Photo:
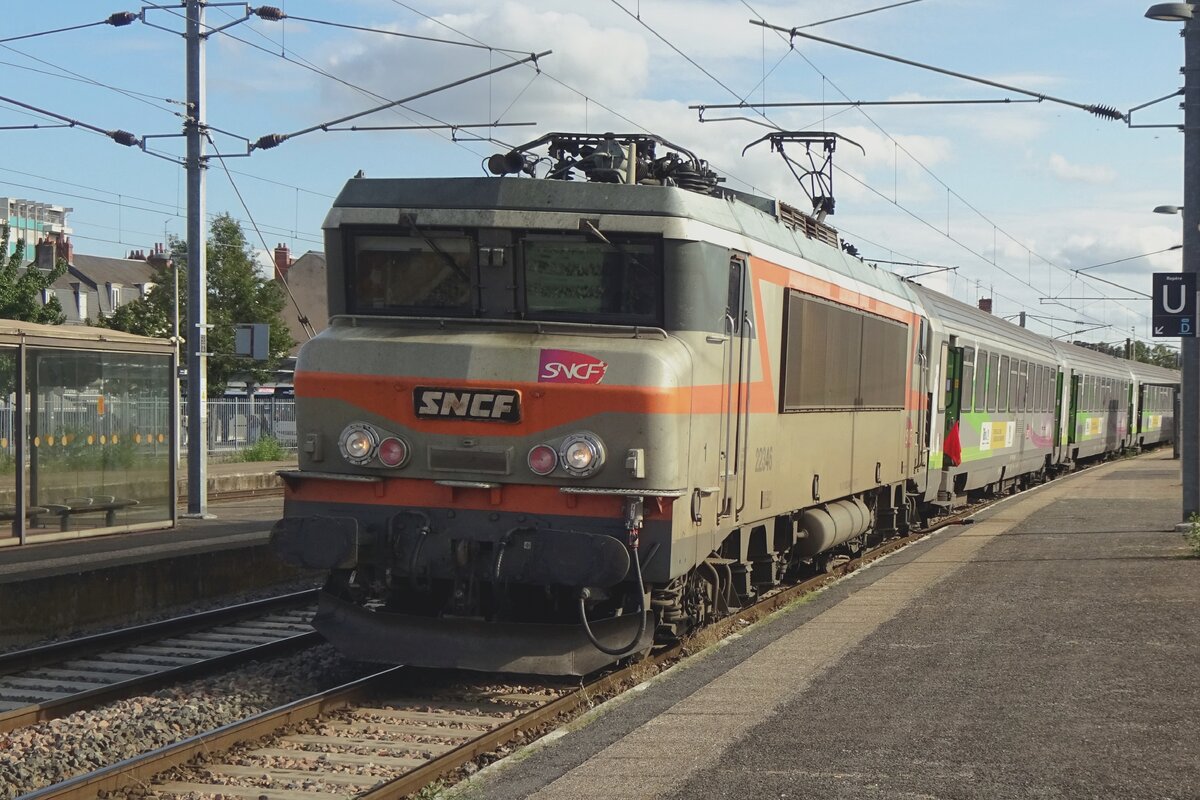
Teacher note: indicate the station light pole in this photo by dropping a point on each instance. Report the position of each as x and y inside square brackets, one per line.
[197, 350]
[1188, 429]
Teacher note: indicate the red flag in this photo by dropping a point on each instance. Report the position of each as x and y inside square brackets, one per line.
[952, 447]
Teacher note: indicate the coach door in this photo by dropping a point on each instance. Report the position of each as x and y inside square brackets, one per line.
[735, 417]
[950, 402]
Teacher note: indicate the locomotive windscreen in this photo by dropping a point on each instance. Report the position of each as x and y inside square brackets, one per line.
[397, 273]
[615, 279]
[575, 277]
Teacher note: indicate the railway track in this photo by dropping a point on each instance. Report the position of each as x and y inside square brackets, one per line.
[54, 680]
[371, 741]
[241, 494]
[368, 740]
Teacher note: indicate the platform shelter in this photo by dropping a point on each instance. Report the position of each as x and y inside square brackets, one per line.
[86, 432]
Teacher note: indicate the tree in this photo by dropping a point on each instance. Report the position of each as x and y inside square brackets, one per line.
[21, 289]
[236, 294]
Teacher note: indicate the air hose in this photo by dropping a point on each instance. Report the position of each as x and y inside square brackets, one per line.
[585, 593]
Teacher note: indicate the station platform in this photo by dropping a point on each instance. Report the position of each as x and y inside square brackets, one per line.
[1050, 649]
[72, 583]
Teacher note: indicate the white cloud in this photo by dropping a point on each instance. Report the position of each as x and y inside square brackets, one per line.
[1081, 173]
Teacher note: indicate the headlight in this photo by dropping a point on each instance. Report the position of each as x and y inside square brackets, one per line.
[582, 454]
[358, 442]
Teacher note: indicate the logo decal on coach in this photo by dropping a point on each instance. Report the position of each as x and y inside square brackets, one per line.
[486, 405]
[566, 366]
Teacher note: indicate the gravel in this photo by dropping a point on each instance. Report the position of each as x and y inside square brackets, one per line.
[51, 752]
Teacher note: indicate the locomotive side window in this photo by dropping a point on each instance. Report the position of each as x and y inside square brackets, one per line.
[618, 280]
[837, 357]
[397, 274]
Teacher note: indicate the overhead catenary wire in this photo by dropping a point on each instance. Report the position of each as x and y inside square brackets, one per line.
[403, 35]
[275, 139]
[305, 324]
[118, 20]
[1104, 111]
[951, 192]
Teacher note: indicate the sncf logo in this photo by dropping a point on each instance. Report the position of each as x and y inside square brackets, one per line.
[492, 405]
[565, 366]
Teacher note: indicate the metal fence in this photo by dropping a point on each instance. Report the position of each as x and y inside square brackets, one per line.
[238, 422]
[233, 422]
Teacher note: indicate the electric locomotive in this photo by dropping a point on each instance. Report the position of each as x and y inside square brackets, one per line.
[555, 419]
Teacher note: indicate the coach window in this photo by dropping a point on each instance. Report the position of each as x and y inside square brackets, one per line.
[1023, 386]
[430, 274]
[1002, 390]
[1014, 399]
[968, 378]
[981, 382]
[993, 380]
[616, 280]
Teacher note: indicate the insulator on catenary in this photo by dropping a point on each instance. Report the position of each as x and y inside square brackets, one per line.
[269, 13]
[269, 141]
[124, 137]
[1108, 112]
[122, 18]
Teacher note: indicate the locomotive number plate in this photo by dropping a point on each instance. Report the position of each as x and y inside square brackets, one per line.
[481, 405]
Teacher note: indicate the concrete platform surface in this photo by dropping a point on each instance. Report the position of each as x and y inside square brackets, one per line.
[1049, 650]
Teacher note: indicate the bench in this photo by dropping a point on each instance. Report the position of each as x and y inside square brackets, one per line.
[9, 513]
[88, 505]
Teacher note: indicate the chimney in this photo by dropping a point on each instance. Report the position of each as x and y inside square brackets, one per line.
[283, 260]
[66, 250]
[985, 304]
[44, 252]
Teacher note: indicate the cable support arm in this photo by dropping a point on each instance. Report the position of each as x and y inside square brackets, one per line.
[276, 139]
[119, 136]
[1107, 112]
[118, 20]
[857, 103]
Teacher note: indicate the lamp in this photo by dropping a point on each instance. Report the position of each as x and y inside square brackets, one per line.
[1170, 12]
[1188, 428]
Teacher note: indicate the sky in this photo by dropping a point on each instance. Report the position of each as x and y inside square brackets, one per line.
[1014, 196]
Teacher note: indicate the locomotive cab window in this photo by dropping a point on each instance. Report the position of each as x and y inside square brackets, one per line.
[576, 278]
[412, 275]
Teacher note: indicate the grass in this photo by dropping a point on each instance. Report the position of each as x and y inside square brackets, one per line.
[267, 448]
[1192, 535]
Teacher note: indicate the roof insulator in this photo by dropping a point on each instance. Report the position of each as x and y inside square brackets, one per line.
[269, 13]
[122, 18]
[269, 141]
[123, 137]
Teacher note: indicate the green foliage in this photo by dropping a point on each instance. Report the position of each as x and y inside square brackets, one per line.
[236, 294]
[1192, 535]
[21, 289]
[267, 448]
